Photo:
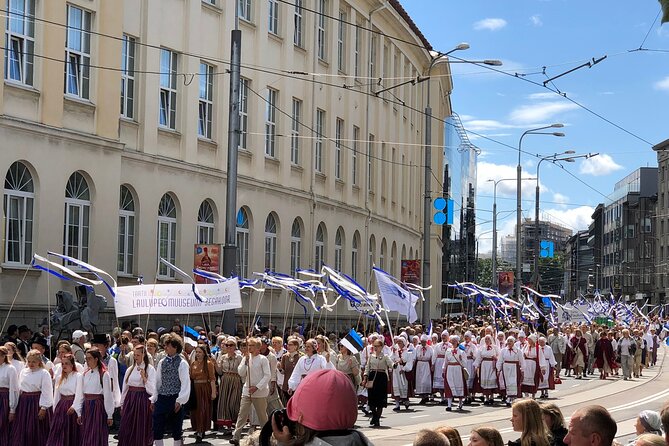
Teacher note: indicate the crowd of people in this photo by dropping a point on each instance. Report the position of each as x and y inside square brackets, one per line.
[140, 385]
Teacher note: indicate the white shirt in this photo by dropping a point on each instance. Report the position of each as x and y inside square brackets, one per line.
[306, 365]
[58, 370]
[90, 384]
[38, 380]
[18, 365]
[184, 377]
[68, 387]
[260, 375]
[133, 377]
[279, 373]
[10, 380]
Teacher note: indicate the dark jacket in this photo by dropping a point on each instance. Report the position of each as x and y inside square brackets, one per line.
[558, 435]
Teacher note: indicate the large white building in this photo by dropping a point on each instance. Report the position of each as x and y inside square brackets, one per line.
[113, 128]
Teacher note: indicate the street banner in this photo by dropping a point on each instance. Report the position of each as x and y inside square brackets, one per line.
[177, 298]
[207, 258]
[410, 272]
[505, 279]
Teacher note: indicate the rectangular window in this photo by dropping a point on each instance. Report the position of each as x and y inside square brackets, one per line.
[243, 112]
[168, 89]
[78, 52]
[354, 158]
[273, 25]
[205, 233]
[338, 252]
[320, 129]
[370, 178]
[20, 41]
[354, 263]
[242, 252]
[126, 241]
[77, 225]
[339, 132]
[295, 249]
[167, 246]
[372, 57]
[298, 24]
[128, 77]
[356, 56]
[18, 207]
[270, 122]
[321, 21]
[206, 101]
[295, 132]
[341, 42]
[244, 9]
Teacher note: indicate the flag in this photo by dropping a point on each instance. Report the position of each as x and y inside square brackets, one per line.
[665, 10]
[353, 342]
[184, 276]
[190, 336]
[394, 297]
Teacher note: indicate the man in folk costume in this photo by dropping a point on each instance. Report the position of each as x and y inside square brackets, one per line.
[557, 342]
[424, 355]
[485, 367]
[510, 365]
[402, 363]
[470, 356]
[548, 381]
[101, 342]
[455, 374]
[438, 365]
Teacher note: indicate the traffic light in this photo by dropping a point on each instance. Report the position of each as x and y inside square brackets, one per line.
[444, 214]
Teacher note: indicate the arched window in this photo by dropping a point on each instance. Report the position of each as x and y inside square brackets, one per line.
[319, 259]
[393, 259]
[243, 243]
[18, 202]
[295, 246]
[167, 235]
[382, 257]
[205, 224]
[270, 243]
[126, 231]
[77, 217]
[354, 255]
[338, 249]
[372, 250]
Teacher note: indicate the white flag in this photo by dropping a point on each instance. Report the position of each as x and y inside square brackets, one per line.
[394, 297]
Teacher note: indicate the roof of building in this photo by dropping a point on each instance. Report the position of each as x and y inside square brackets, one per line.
[405, 15]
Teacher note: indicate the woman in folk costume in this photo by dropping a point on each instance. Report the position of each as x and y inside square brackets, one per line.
[485, 367]
[548, 381]
[307, 364]
[604, 355]
[94, 402]
[203, 375]
[33, 412]
[510, 365]
[501, 341]
[533, 357]
[579, 353]
[470, 356]
[455, 375]
[65, 430]
[376, 372]
[230, 389]
[438, 365]
[139, 383]
[423, 354]
[9, 394]
[402, 363]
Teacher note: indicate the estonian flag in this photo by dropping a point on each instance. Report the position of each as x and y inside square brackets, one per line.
[353, 342]
[190, 336]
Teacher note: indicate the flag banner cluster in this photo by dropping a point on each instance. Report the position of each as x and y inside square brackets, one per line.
[353, 342]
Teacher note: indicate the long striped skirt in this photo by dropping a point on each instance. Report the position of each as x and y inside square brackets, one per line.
[200, 417]
[229, 399]
[136, 422]
[27, 429]
[4, 415]
[94, 429]
[64, 428]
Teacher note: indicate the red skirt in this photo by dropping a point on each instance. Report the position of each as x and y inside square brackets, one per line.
[27, 429]
[136, 422]
[94, 429]
[64, 428]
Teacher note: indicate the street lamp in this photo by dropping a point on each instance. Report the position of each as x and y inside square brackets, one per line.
[494, 227]
[519, 169]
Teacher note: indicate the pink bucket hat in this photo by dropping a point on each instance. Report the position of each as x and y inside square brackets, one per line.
[307, 404]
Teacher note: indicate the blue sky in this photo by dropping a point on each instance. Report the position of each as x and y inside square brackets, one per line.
[630, 89]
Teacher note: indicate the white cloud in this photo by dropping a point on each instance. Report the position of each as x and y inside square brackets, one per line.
[607, 93]
[536, 20]
[599, 165]
[562, 200]
[663, 84]
[541, 96]
[490, 171]
[490, 24]
[576, 219]
[483, 125]
[540, 112]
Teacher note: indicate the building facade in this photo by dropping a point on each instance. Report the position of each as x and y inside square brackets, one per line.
[662, 222]
[115, 152]
[580, 270]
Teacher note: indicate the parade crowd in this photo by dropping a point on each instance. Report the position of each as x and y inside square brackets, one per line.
[293, 388]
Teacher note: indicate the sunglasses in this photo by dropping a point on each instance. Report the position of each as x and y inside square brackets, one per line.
[230, 345]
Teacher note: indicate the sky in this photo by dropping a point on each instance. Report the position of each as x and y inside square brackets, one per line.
[629, 89]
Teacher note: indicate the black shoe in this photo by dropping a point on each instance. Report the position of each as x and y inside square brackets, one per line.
[448, 409]
[508, 404]
[396, 409]
[423, 401]
[198, 438]
[233, 441]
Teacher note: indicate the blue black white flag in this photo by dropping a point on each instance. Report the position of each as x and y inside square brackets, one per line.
[353, 342]
[190, 336]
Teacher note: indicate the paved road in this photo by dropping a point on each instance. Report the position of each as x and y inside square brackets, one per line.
[624, 399]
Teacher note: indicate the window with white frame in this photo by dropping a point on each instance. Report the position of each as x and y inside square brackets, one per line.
[370, 172]
[78, 52]
[321, 23]
[382, 256]
[244, 10]
[298, 26]
[372, 249]
[242, 231]
[339, 134]
[270, 122]
[354, 156]
[354, 256]
[243, 112]
[18, 200]
[167, 236]
[372, 56]
[168, 89]
[295, 132]
[20, 41]
[339, 249]
[77, 217]
[128, 76]
[341, 42]
[320, 129]
[295, 246]
[206, 100]
[273, 25]
[270, 243]
[356, 55]
[205, 223]
[126, 232]
[319, 259]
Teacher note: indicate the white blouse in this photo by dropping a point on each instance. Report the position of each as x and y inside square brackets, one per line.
[38, 380]
[18, 365]
[133, 377]
[58, 370]
[68, 387]
[91, 385]
[10, 380]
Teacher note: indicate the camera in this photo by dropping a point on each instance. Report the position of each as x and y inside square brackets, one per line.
[280, 417]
